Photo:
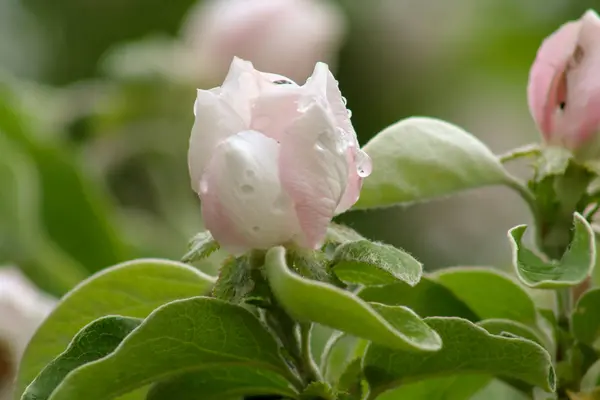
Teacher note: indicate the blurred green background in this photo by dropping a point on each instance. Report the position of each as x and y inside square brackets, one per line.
[95, 117]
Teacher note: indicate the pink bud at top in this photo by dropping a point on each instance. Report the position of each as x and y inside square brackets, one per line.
[564, 84]
[272, 161]
[283, 36]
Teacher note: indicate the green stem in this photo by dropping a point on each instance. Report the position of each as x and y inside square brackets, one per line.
[529, 198]
[309, 367]
[565, 301]
[529, 150]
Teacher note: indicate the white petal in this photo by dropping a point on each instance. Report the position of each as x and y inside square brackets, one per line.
[215, 121]
[242, 184]
[22, 309]
[323, 82]
[314, 171]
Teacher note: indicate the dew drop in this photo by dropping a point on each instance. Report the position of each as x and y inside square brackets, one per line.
[364, 165]
[203, 186]
[247, 189]
[344, 100]
[349, 113]
[319, 147]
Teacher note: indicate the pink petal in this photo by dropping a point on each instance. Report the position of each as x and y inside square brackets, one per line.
[313, 171]
[547, 72]
[322, 81]
[215, 121]
[243, 203]
[275, 110]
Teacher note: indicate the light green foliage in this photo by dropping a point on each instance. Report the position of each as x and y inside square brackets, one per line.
[508, 327]
[585, 320]
[489, 293]
[132, 289]
[201, 246]
[308, 300]
[340, 234]
[428, 298]
[235, 281]
[96, 340]
[232, 381]
[22, 238]
[179, 337]
[419, 158]
[456, 387]
[575, 265]
[467, 349]
[369, 263]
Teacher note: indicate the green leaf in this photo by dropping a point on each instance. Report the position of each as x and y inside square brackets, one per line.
[201, 246]
[456, 387]
[507, 326]
[499, 390]
[340, 352]
[369, 263]
[132, 289]
[428, 298]
[591, 379]
[574, 266]
[318, 390]
[328, 305]
[422, 158]
[235, 280]
[94, 341]
[339, 234]
[585, 320]
[311, 264]
[467, 349]
[22, 238]
[221, 383]
[183, 336]
[489, 293]
[70, 196]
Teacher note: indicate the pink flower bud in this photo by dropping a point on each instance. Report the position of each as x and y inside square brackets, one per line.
[284, 36]
[564, 84]
[272, 161]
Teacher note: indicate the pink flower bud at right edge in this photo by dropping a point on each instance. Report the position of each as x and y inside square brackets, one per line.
[564, 87]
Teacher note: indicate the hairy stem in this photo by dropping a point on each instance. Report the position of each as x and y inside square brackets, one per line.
[309, 367]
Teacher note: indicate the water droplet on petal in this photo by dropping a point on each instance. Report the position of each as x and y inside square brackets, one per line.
[364, 165]
[344, 100]
[319, 147]
[349, 113]
[203, 186]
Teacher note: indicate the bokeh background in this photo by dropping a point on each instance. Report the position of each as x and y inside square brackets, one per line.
[96, 109]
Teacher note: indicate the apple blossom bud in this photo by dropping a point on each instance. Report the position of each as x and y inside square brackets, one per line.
[272, 161]
[564, 85]
[22, 308]
[284, 36]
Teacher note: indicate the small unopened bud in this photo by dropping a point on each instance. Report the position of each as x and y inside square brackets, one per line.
[564, 86]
